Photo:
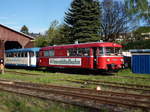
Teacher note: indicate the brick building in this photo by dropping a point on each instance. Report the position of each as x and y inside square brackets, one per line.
[10, 39]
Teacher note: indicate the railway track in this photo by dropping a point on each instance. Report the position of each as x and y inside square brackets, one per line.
[130, 77]
[122, 84]
[83, 97]
[134, 87]
[131, 87]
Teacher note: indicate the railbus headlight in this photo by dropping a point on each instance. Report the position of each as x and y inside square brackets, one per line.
[108, 59]
[121, 60]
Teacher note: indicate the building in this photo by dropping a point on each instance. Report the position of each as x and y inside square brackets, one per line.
[35, 35]
[140, 61]
[11, 39]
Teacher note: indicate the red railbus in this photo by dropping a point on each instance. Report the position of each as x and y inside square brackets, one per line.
[96, 55]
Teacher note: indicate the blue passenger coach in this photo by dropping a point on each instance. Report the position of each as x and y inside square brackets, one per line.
[26, 57]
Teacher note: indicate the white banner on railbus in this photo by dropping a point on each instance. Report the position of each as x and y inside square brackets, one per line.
[65, 61]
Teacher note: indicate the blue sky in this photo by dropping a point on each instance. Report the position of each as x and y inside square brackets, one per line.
[35, 14]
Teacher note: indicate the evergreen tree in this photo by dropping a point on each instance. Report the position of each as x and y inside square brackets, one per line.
[24, 29]
[83, 20]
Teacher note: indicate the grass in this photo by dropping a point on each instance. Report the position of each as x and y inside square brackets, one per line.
[59, 78]
[16, 103]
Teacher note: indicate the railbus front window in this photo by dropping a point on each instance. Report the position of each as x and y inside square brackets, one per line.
[112, 50]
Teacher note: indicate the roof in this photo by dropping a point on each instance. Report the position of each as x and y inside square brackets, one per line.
[17, 32]
[84, 45]
[23, 50]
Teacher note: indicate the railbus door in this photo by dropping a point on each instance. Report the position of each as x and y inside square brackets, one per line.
[94, 57]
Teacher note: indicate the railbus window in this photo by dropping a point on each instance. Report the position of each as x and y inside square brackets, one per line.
[78, 52]
[41, 53]
[83, 51]
[37, 54]
[118, 50]
[49, 53]
[101, 50]
[71, 52]
[46, 53]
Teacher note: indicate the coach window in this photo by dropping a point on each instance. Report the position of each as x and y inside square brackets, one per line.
[21, 54]
[25, 54]
[14, 54]
[9, 54]
[18, 54]
[6, 54]
[31, 54]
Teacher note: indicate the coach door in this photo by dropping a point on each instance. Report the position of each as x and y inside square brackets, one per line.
[94, 56]
[32, 59]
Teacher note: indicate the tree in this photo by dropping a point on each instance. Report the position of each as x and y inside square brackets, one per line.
[62, 36]
[41, 41]
[114, 20]
[52, 32]
[55, 35]
[24, 29]
[83, 20]
[141, 32]
[140, 9]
